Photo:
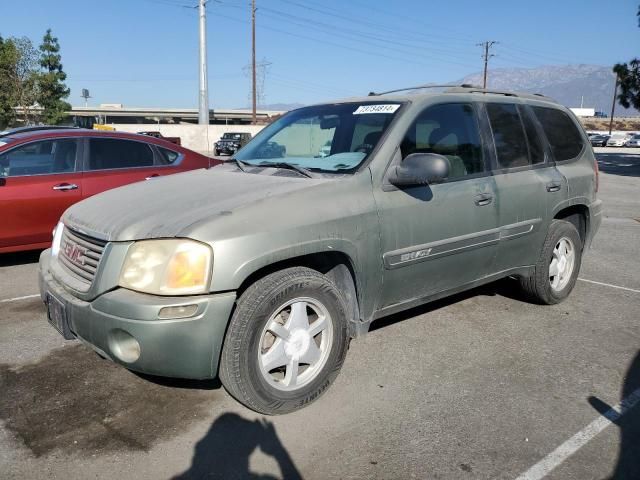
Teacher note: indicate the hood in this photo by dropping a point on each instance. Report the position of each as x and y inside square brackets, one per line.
[167, 206]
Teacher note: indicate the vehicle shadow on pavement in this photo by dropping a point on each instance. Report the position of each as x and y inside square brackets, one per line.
[624, 164]
[223, 453]
[628, 464]
[19, 258]
[506, 287]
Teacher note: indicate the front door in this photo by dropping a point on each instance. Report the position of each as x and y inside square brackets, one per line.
[38, 182]
[439, 237]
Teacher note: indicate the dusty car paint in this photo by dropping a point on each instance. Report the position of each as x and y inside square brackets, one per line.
[404, 246]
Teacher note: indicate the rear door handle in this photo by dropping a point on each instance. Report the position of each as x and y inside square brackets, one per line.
[65, 186]
[554, 187]
[483, 199]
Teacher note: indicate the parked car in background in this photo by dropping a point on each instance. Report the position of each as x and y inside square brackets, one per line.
[261, 270]
[156, 134]
[599, 140]
[634, 141]
[231, 142]
[617, 140]
[44, 172]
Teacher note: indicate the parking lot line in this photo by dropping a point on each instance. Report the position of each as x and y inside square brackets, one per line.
[580, 439]
[15, 299]
[610, 285]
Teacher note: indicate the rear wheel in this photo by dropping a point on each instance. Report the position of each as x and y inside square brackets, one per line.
[286, 341]
[557, 269]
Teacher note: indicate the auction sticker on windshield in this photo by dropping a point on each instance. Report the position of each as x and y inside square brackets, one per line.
[386, 108]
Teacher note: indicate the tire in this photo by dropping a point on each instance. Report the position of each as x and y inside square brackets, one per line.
[250, 347]
[539, 287]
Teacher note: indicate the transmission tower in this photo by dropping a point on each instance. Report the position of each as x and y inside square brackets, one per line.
[262, 69]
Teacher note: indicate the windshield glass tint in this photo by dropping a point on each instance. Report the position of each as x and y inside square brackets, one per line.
[331, 138]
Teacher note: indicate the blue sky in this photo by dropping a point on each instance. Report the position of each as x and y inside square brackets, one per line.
[145, 52]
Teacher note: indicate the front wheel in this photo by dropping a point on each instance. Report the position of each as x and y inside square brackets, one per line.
[286, 341]
[556, 271]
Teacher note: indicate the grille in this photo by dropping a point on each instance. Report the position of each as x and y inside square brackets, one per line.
[80, 254]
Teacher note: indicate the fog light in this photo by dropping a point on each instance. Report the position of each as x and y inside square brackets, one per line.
[124, 346]
[177, 311]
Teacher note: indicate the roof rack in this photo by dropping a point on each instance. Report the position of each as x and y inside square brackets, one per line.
[467, 88]
[472, 89]
[420, 87]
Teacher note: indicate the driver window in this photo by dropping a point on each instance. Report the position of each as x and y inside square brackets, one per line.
[450, 130]
[306, 137]
[39, 158]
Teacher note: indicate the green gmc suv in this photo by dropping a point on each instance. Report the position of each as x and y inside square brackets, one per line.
[261, 270]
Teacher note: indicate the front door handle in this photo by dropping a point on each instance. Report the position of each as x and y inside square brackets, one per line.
[554, 187]
[483, 199]
[65, 186]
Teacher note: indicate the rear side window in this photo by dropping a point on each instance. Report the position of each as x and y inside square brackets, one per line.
[508, 134]
[167, 156]
[450, 130]
[536, 150]
[40, 158]
[110, 153]
[562, 133]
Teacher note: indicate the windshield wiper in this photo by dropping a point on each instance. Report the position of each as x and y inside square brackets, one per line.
[241, 165]
[289, 166]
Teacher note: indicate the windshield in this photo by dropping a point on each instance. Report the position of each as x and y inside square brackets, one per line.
[328, 138]
[231, 136]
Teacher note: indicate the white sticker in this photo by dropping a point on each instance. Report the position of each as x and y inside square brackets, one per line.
[387, 108]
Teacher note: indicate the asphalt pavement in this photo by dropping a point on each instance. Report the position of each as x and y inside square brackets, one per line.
[481, 385]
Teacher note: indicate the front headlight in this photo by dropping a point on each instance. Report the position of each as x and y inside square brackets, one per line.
[57, 239]
[167, 267]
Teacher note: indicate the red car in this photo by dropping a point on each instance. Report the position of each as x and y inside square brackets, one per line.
[44, 172]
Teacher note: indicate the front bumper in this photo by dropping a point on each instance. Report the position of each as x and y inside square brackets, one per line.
[226, 149]
[181, 348]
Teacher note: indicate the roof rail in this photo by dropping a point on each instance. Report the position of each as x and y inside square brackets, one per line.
[419, 87]
[471, 89]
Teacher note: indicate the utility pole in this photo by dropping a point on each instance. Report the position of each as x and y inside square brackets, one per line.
[203, 105]
[486, 46]
[253, 59]
[613, 104]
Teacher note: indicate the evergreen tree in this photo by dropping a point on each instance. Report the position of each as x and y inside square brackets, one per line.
[51, 86]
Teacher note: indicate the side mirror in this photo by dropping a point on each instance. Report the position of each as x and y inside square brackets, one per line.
[420, 169]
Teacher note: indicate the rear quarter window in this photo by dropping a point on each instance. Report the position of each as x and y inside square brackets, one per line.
[167, 157]
[561, 132]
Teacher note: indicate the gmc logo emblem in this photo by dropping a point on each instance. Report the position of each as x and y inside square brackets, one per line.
[74, 252]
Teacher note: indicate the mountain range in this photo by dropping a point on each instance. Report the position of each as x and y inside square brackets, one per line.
[572, 85]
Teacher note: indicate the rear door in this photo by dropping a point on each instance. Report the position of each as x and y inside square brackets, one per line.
[113, 162]
[527, 182]
[570, 152]
[38, 182]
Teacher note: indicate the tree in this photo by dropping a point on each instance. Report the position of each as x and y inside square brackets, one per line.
[629, 80]
[7, 114]
[18, 79]
[51, 87]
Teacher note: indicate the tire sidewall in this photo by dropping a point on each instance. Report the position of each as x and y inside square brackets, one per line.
[268, 397]
[558, 230]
